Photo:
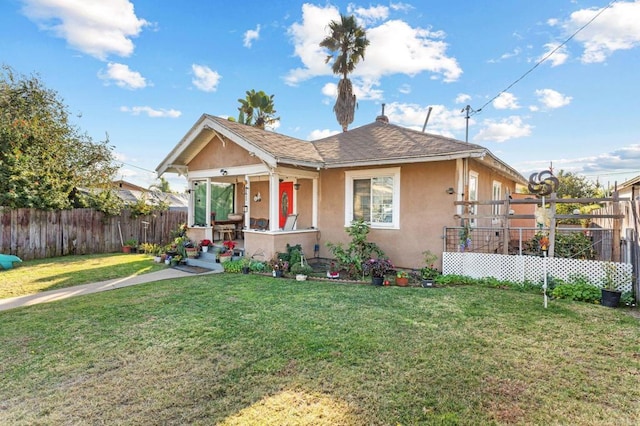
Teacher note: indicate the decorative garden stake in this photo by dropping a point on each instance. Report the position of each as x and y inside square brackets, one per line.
[543, 184]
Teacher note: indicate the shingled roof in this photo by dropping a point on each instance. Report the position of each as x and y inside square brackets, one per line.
[382, 142]
[378, 143]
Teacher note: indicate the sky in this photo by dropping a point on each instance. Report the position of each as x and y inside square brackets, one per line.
[548, 83]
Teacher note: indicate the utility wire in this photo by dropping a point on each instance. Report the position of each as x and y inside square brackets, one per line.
[547, 56]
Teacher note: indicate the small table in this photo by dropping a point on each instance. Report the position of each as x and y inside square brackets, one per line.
[237, 226]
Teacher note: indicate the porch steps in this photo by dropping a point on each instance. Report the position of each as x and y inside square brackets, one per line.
[206, 260]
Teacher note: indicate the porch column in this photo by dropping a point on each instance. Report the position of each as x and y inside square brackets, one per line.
[207, 214]
[314, 203]
[274, 201]
[247, 202]
[190, 204]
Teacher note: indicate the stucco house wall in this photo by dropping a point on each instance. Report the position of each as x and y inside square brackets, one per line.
[431, 170]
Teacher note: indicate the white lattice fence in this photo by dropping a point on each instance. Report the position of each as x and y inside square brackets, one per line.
[530, 268]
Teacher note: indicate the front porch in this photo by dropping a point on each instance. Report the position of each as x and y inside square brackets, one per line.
[256, 244]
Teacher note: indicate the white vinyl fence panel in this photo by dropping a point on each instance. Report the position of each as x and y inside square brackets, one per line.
[530, 268]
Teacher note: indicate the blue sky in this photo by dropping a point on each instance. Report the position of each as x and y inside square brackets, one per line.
[143, 71]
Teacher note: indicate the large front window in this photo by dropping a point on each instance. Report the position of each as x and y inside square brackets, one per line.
[222, 201]
[374, 196]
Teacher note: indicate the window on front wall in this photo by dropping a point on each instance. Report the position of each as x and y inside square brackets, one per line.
[374, 196]
[496, 195]
[222, 201]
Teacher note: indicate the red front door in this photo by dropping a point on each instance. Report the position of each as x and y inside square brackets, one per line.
[286, 202]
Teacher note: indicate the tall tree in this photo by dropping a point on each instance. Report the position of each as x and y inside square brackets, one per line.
[43, 158]
[257, 109]
[348, 42]
[162, 186]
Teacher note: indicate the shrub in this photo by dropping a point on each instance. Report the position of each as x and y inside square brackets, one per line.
[359, 250]
[233, 266]
[578, 291]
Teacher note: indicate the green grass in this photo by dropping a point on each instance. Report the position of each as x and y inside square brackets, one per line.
[236, 349]
[34, 276]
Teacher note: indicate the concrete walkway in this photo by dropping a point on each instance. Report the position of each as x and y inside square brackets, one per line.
[63, 293]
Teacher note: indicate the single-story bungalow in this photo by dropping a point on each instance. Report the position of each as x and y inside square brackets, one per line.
[286, 190]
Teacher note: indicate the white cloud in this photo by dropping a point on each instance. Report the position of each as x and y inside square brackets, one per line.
[403, 7]
[442, 121]
[250, 36]
[507, 55]
[395, 48]
[97, 28]
[558, 57]
[205, 78]
[503, 130]
[615, 29]
[123, 76]
[552, 99]
[462, 98]
[405, 89]
[363, 89]
[152, 112]
[319, 134]
[506, 100]
[370, 15]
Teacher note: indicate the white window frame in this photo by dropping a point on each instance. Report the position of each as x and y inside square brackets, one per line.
[496, 194]
[350, 176]
[473, 195]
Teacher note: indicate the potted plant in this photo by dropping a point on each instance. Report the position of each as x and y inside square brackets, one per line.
[130, 246]
[334, 271]
[245, 263]
[279, 267]
[377, 268]
[402, 278]
[609, 291]
[301, 269]
[204, 245]
[429, 272]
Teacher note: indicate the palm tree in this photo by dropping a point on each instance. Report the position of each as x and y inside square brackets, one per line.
[257, 109]
[347, 40]
[162, 186]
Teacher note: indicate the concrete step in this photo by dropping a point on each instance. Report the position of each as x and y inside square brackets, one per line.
[205, 263]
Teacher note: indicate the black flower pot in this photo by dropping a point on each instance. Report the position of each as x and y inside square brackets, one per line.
[610, 298]
[245, 270]
[426, 283]
[377, 280]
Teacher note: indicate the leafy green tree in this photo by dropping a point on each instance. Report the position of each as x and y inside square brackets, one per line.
[44, 159]
[257, 109]
[348, 42]
[575, 186]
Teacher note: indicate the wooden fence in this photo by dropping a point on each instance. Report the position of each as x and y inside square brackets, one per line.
[35, 234]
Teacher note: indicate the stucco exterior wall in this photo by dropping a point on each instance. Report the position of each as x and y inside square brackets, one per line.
[425, 208]
[217, 155]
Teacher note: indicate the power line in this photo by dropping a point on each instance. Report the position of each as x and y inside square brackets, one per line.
[136, 167]
[548, 55]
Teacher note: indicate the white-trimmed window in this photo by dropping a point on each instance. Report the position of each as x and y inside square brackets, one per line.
[373, 195]
[473, 195]
[496, 194]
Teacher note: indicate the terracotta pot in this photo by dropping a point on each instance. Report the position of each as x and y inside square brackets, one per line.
[402, 282]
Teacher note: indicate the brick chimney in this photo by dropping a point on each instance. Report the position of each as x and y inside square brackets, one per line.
[382, 118]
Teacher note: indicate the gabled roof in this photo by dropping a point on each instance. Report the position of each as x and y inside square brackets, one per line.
[631, 182]
[378, 143]
[383, 142]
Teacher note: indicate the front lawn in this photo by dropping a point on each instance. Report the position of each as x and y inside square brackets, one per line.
[234, 349]
[34, 276]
